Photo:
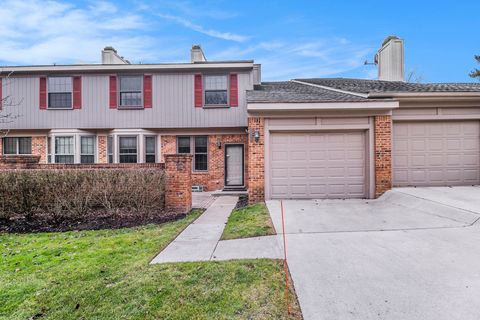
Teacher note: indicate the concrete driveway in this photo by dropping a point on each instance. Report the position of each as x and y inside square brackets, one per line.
[412, 254]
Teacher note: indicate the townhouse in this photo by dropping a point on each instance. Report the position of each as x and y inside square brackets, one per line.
[303, 138]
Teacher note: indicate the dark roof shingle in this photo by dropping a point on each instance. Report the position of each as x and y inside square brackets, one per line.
[379, 86]
[288, 91]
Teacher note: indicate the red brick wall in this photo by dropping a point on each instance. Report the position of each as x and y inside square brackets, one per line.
[178, 183]
[102, 149]
[39, 148]
[214, 178]
[383, 154]
[256, 165]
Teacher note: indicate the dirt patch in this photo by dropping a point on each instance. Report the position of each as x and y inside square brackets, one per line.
[242, 202]
[93, 221]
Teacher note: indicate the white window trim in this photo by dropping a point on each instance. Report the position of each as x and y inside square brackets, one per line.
[119, 92]
[213, 106]
[48, 91]
[95, 142]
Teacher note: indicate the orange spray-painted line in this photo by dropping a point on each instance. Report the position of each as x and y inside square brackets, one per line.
[285, 263]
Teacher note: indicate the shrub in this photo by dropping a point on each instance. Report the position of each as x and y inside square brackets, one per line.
[59, 195]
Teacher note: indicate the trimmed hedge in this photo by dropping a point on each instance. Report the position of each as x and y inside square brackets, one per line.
[59, 195]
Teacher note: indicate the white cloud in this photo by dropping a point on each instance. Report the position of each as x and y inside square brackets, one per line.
[283, 60]
[198, 28]
[44, 32]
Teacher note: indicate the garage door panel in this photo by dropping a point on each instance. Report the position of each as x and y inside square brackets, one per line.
[450, 154]
[318, 165]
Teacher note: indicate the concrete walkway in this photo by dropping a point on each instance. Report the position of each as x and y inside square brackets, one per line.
[199, 240]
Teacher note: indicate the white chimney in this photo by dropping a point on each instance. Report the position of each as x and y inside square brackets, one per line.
[196, 54]
[390, 60]
[257, 73]
[110, 56]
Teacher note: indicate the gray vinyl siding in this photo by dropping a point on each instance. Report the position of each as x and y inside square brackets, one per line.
[173, 106]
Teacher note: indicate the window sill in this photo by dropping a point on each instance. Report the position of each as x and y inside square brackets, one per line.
[216, 106]
[199, 172]
[66, 108]
[130, 108]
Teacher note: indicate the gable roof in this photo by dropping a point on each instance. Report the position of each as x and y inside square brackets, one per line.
[289, 91]
[380, 86]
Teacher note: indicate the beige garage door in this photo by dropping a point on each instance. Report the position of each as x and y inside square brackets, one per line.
[443, 153]
[317, 165]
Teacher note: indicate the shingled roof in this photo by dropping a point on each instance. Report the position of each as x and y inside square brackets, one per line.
[289, 91]
[379, 86]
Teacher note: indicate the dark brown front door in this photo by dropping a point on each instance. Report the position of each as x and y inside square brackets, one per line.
[234, 165]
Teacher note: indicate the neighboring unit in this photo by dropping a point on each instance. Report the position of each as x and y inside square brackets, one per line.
[303, 138]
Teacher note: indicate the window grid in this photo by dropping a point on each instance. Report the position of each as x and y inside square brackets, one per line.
[87, 149]
[127, 149]
[60, 92]
[110, 149]
[150, 149]
[198, 147]
[64, 146]
[216, 90]
[131, 91]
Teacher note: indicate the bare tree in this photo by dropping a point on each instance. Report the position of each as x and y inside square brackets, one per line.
[414, 77]
[6, 106]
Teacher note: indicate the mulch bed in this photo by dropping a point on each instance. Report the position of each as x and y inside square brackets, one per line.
[242, 202]
[93, 221]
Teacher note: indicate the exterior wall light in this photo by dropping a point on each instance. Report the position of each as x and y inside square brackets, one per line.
[256, 135]
[219, 144]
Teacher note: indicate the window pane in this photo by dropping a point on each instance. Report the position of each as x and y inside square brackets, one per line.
[128, 149]
[24, 145]
[131, 99]
[87, 159]
[64, 145]
[60, 84]
[183, 145]
[201, 144]
[59, 100]
[131, 83]
[200, 162]
[150, 158]
[110, 149]
[150, 144]
[9, 145]
[87, 145]
[216, 82]
[64, 159]
[216, 97]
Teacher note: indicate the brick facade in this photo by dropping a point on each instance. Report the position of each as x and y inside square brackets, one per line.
[256, 165]
[383, 154]
[39, 148]
[178, 183]
[102, 149]
[214, 178]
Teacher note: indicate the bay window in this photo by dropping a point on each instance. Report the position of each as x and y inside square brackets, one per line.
[127, 149]
[64, 149]
[150, 149]
[87, 149]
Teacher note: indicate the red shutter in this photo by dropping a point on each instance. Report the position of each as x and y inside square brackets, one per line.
[43, 93]
[198, 91]
[1, 96]
[113, 92]
[147, 91]
[233, 90]
[77, 92]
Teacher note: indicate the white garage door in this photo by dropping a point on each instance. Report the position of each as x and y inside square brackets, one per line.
[317, 165]
[442, 153]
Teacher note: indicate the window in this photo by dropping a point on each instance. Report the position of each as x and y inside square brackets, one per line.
[17, 145]
[64, 150]
[60, 92]
[87, 149]
[201, 155]
[110, 149]
[131, 91]
[128, 149]
[49, 149]
[183, 144]
[216, 92]
[150, 149]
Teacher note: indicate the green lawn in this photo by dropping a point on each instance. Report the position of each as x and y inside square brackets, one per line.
[105, 275]
[250, 221]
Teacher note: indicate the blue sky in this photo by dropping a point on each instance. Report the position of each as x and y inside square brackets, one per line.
[291, 39]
